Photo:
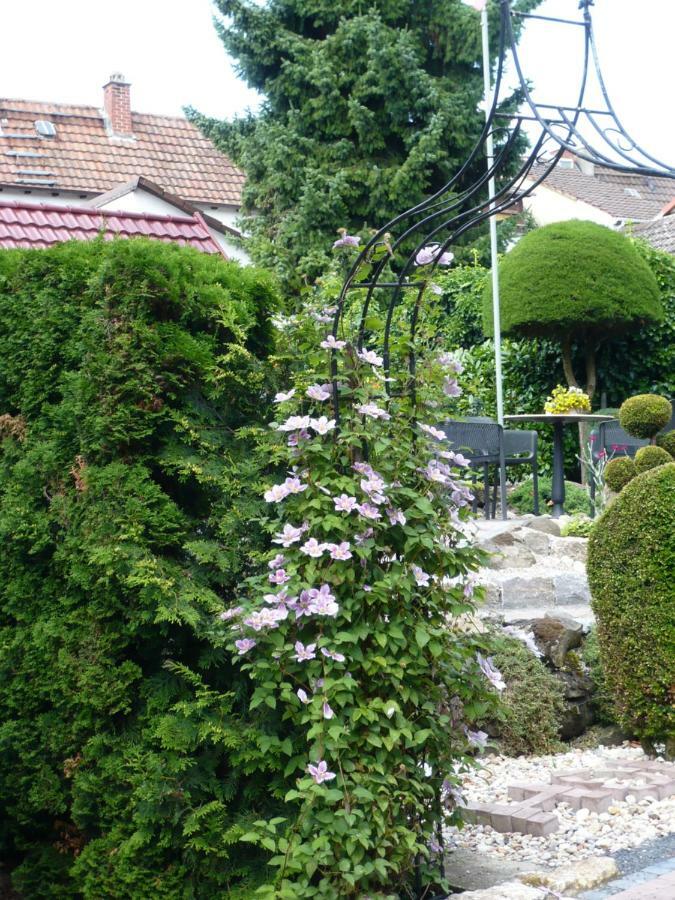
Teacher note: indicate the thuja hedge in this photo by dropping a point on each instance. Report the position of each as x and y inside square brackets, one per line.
[129, 507]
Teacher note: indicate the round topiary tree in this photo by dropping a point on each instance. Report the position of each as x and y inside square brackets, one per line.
[618, 472]
[631, 571]
[574, 282]
[650, 457]
[644, 415]
[667, 441]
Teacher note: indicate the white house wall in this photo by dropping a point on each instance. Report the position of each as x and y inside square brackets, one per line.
[547, 206]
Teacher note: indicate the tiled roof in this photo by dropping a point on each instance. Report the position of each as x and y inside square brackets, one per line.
[639, 198]
[660, 233]
[42, 225]
[83, 156]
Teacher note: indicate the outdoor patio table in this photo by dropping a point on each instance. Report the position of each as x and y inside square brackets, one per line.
[558, 422]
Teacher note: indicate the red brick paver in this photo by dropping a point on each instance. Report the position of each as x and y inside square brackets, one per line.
[662, 888]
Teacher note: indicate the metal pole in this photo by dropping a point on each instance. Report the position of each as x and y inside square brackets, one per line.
[487, 78]
[490, 150]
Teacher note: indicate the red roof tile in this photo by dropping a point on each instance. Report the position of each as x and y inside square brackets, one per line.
[30, 226]
[83, 156]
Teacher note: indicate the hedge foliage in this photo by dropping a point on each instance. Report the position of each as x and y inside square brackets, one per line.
[573, 277]
[631, 571]
[129, 512]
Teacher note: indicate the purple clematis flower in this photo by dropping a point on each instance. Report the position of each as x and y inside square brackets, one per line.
[344, 503]
[320, 772]
[331, 343]
[333, 654]
[347, 240]
[244, 645]
[304, 653]
[317, 392]
[493, 675]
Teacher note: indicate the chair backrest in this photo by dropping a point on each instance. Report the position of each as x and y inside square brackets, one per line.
[517, 441]
[478, 438]
[615, 441]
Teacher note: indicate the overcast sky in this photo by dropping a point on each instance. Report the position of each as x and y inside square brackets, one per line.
[64, 50]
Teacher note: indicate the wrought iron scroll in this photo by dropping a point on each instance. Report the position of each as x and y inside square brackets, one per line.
[596, 135]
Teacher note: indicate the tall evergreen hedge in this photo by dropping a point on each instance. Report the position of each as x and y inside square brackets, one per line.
[129, 505]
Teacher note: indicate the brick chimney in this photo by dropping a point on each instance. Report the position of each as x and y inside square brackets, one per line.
[117, 105]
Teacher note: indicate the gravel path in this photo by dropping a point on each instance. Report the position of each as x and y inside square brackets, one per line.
[582, 833]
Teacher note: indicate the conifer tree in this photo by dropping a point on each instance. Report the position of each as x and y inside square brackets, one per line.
[369, 105]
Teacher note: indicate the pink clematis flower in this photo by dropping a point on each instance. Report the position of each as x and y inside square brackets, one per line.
[369, 511]
[344, 503]
[294, 423]
[432, 431]
[280, 576]
[288, 536]
[230, 613]
[493, 675]
[373, 411]
[333, 654]
[320, 772]
[421, 577]
[323, 603]
[327, 711]
[370, 357]
[322, 425]
[302, 653]
[282, 398]
[277, 562]
[317, 392]
[331, 343]
[451, 388]
[302, 696]
[244, 645]
[340, 551]
[313, 548]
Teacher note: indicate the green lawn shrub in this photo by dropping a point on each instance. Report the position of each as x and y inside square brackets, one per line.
[533, 702]
[667, 442]
[650, 457]
[521, 498]
[644, 415]
[618, 472]
[131, 373]
[578, 526]
[601, 701]
[631, 572]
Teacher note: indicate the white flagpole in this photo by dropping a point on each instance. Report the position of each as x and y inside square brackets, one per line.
[487, 78]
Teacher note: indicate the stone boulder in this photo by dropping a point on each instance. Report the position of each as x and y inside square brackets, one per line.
[555, 635]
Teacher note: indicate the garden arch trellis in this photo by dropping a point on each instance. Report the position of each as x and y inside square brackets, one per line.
[594, 134]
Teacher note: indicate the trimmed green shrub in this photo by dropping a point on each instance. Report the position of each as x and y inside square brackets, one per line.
[650, 457]
[667, 442]
[645, 415]
[618, 472]
[573, 276]
[521, 498]
[578, 526]
[130, 375]
[533, 702]
[631, 572]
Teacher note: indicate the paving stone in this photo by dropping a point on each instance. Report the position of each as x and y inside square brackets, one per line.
[662, 888]
[542, 823]
[578, 876]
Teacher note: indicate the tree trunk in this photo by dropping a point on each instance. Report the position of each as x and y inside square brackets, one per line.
[568, 368]
[591, 369]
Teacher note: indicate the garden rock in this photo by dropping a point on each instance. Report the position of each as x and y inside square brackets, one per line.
[571, 547]
[545, 524]
[555, 636]
[579, 690]
[579, 876]
[520, 591]
[571, 589]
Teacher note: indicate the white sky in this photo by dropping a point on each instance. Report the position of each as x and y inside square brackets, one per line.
[64, 50]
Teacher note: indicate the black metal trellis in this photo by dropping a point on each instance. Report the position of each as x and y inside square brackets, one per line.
[592, 134]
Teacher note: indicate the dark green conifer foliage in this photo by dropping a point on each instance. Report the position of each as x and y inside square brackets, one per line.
[129, 502]
[369, 105]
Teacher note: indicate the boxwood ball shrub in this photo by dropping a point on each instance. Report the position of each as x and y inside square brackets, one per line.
[631, 572]
[667, 442]
[131, 373]
[618, 472]
[645, 415]
[649, 457]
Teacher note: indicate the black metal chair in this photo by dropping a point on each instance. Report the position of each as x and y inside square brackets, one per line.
[520, 449]
[481, 442]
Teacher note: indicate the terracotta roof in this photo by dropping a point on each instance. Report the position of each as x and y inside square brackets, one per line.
[83, 156]
[639, 198]
[660, 233]
[36, 226]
